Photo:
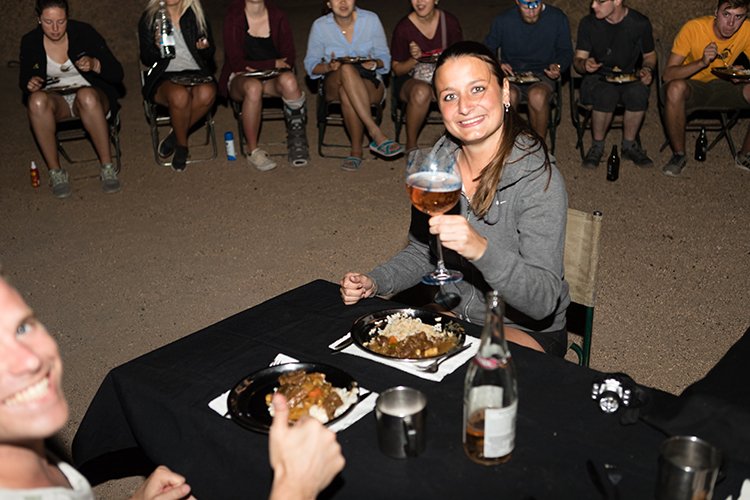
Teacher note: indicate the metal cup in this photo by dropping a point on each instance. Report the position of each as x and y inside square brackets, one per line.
[688, 467]
[400, 413]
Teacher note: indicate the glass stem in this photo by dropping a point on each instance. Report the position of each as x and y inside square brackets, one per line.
[440, 263]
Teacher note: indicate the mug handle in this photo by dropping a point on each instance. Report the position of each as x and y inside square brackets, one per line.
[410, 447]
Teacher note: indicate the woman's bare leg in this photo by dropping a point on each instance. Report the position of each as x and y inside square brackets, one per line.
[92, 105]
[45, 110]
[249, 91]
[359, 97]
[177, 99]
[417, 95]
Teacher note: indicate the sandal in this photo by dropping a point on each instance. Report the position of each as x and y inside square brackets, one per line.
[387, 148]
[351, 164]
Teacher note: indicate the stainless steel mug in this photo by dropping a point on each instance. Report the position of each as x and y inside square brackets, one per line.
[688, 467]
[400, 413]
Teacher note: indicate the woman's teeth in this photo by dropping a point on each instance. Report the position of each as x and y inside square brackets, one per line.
[32, 393]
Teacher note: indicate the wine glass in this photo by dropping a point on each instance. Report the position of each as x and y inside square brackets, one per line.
[434, 185]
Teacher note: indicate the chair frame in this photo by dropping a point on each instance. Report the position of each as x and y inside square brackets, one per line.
[398, 108]
[329, 114]
[157, 116]
[273, 110]
[555, 111]
[581, 269]
[71, 129]
[580, 115]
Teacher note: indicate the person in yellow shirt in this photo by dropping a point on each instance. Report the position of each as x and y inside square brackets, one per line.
[705, 43]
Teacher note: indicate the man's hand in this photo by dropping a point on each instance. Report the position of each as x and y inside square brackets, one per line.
[710, 53]
[163, 484]
[552, 71]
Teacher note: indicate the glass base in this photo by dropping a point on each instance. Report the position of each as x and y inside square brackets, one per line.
[441, 277]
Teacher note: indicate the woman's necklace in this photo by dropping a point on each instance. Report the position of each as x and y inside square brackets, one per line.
[345, 29]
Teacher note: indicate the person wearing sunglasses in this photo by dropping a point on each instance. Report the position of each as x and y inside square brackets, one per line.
[615, 44]
[532, 39]
[702, 45]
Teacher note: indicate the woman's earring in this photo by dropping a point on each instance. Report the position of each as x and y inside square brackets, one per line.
[507, 107]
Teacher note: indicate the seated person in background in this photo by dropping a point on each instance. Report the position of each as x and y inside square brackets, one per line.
[611, 40]
[194, 56]
[347, 31]
[69, 54]
[305, 457]
[532, 37]
[426, 30]
[702, 44]
[508, 230]
[257, 36]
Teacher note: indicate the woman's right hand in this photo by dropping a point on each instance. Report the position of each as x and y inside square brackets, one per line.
[356, 286]
[414, 51]
[35, 83]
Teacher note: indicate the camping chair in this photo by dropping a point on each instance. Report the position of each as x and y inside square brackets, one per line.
[329, 114]
[71, 129]
[582, 238]
[555, 112]
[273, 110]
[157, 117]
[719, 119]
[581, 113]
[398, 108]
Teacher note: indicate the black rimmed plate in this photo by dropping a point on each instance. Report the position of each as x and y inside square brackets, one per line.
[63, 89]
[265, 74]
[365, 329]
[353, 59]
[732, 73]
[429, 59]
[247, 400]
[524, 78]
[622, 78]
[191, 80]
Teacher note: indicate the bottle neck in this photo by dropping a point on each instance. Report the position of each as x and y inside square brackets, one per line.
[492, 343]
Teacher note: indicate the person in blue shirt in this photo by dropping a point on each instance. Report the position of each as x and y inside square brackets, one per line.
[532, 42]
[347, 46]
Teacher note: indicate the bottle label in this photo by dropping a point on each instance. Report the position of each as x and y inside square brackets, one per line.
[167, 39]
[485, 396]
[229, 144]
[499, 430]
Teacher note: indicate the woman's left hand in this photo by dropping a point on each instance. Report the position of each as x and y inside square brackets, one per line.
[88, 63]
[456, 233]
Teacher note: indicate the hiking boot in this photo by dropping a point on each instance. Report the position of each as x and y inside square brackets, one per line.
[742, 160]
[296, 136]
[593, 157]
[58, 179]
[167, 145]
[638, 156]
[260, 160]
[675, 165]
[108, 177]
[179, 160]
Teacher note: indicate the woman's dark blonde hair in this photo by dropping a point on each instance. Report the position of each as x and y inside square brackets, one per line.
[513, 127]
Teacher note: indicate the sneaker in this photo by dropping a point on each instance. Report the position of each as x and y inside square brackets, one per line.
[58, 179]
[260, 160]
[593, 157]
[179, 160]
[638, 156]
[674, 167]
[108, 176]
[742, 160]
[167, 145]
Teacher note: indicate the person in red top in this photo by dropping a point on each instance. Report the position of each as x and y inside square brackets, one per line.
[426, 31]
[258, 37]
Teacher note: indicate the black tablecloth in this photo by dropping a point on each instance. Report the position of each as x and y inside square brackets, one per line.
[155, 408]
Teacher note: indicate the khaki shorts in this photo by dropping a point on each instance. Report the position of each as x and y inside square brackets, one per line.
[716, 93]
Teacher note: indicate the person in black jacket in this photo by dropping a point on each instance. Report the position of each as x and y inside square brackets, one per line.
[184, 84]
[67, 70]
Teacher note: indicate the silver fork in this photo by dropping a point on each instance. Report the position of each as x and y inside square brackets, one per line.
[433, 367]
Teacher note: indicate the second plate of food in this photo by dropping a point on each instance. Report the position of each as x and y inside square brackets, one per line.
[408, 334]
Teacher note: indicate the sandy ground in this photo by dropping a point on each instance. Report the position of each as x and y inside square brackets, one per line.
[115, 276]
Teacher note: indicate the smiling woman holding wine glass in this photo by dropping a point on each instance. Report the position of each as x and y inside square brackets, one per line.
[507, 230]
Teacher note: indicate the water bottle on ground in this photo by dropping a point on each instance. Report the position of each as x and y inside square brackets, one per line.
[229, 145]
[34, 171]
[701, 146]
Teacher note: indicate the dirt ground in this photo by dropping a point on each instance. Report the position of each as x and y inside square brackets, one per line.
[115, 276]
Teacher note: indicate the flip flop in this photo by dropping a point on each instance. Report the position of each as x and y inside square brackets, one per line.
[387, 148]
[351, 164]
